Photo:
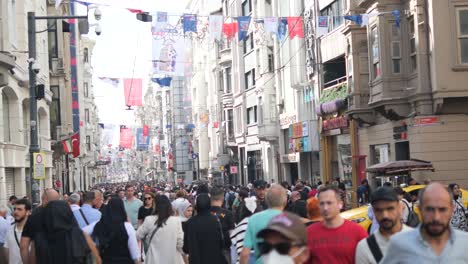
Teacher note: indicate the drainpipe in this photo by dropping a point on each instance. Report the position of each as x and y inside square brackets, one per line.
[429, 72]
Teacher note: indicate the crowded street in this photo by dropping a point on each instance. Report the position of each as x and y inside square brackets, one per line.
[233, 131]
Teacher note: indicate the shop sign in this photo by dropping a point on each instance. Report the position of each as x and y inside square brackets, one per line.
[298, 130]
[426, 121]
[233, 169]
[335, 123]
[286, 120]
[299, 145]
[290, 158]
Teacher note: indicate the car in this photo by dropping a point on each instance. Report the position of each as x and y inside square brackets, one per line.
[359, 215]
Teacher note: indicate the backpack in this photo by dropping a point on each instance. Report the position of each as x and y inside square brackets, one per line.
[413, 219]
[231, 199]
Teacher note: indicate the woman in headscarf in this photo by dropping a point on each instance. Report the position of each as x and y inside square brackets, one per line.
[163, 233]
[62, 241]
[204, 239]
[184, 211]
[115, 236]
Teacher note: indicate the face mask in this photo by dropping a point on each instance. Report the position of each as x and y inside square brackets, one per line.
[273, 257]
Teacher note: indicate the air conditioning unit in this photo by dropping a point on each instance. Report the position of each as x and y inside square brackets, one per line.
[57, 65]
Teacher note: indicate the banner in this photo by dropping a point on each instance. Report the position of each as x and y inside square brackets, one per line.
[295, 27]
[230, 29]
[168, 46]
[75, 139]
[126, 138]
[243, 24]
[133, 92]
[282, 29]
[271, 25]
[112, 81]
[189, 23]
[216, 26]
[142, 140]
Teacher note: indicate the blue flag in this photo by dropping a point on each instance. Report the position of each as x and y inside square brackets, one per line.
[163, 81]
[189, 23]
[282, 28]
[243, 23]
[396, 14]
[355, 18]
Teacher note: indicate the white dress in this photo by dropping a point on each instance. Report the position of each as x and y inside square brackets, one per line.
[166, 245]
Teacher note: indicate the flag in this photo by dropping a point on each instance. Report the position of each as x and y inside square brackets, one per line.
[75, 140]
[396, 14]
[295, 27]
[145, 130]
[162, 81]
[101, 125]
[243, 24]
[126, 138]
[135, 11]
[216, 26]
[355, 18]
[322, 25]
[271, 25]
[133, 92]
[112, 81]
[282, 28]
[67, 146]
[160, 22]
[230, 29]
[189, 23]
[365, 20]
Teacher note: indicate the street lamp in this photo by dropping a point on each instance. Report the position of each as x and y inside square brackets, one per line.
[33, 71]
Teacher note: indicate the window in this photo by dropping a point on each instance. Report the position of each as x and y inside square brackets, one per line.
[12, 22]
[379, 153]
[85, 55]
[85, 89]
[335, 11]
[230, 123]
[250, 79]
[88, 143]
[224, 44]
[395, 48]
[248, 43]
[227, 80]
[87, 116]
[239, 120]
[462, 22]
[412, 35]
[271, 62]
[375, 52]
[252, 115]
[246, 7]
[6, 117]
[55, 119]
[52, 38]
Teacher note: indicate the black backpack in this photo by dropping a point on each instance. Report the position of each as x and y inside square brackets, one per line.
[413, 219]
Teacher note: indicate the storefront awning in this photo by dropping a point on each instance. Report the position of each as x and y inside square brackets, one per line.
[400, 166]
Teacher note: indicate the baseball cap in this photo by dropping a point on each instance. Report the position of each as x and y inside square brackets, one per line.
[384, 194]
[259, 184]
[288, 225]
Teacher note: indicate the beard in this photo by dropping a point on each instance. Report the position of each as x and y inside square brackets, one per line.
[20, 219]
[440, 228]
[387, 224]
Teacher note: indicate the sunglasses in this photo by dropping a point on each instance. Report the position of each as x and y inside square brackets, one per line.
[282, 248]
[148, 198]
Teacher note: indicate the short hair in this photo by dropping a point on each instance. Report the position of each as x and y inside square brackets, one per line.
[180, 193]
[217, 194]
[276, 196]
[74, 198]
[128, 186]
[313, 209]
[12, 198]
[25, 202]
[89, 197]
[330, 188]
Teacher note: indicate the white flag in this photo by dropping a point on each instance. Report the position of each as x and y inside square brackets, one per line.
[271, 25]
[216, 26]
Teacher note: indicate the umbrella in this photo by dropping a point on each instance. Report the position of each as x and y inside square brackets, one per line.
[399, 166]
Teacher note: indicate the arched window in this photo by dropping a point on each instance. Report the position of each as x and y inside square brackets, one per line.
[85, 55]
[6, 117]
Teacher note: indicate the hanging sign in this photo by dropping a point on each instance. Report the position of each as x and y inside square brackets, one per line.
[39, 166]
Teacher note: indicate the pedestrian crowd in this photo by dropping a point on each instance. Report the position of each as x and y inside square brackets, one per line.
[141, 222]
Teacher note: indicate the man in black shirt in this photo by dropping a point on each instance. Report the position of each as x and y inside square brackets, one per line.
[225, 217]
[260, 190]
[35, 224]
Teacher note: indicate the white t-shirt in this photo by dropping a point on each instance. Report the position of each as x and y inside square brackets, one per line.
[363, 252]
[12, 245]
[132, 241]
[4, 227]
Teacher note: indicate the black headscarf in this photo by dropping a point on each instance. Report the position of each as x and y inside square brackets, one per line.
[111, 227]
[203, 203]
[62, 238]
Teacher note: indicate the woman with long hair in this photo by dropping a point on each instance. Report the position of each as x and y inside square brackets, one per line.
[115, 236]
[163, 233]
[147, 208]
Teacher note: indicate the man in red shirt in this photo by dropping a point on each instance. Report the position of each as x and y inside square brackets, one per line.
[334, 239]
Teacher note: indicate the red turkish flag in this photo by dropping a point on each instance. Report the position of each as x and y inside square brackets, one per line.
[126, 138]
[295, 27]
[75, 139]
[145, 130]
[133, 92]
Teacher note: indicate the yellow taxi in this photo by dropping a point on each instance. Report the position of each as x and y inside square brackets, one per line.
[359, 215]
